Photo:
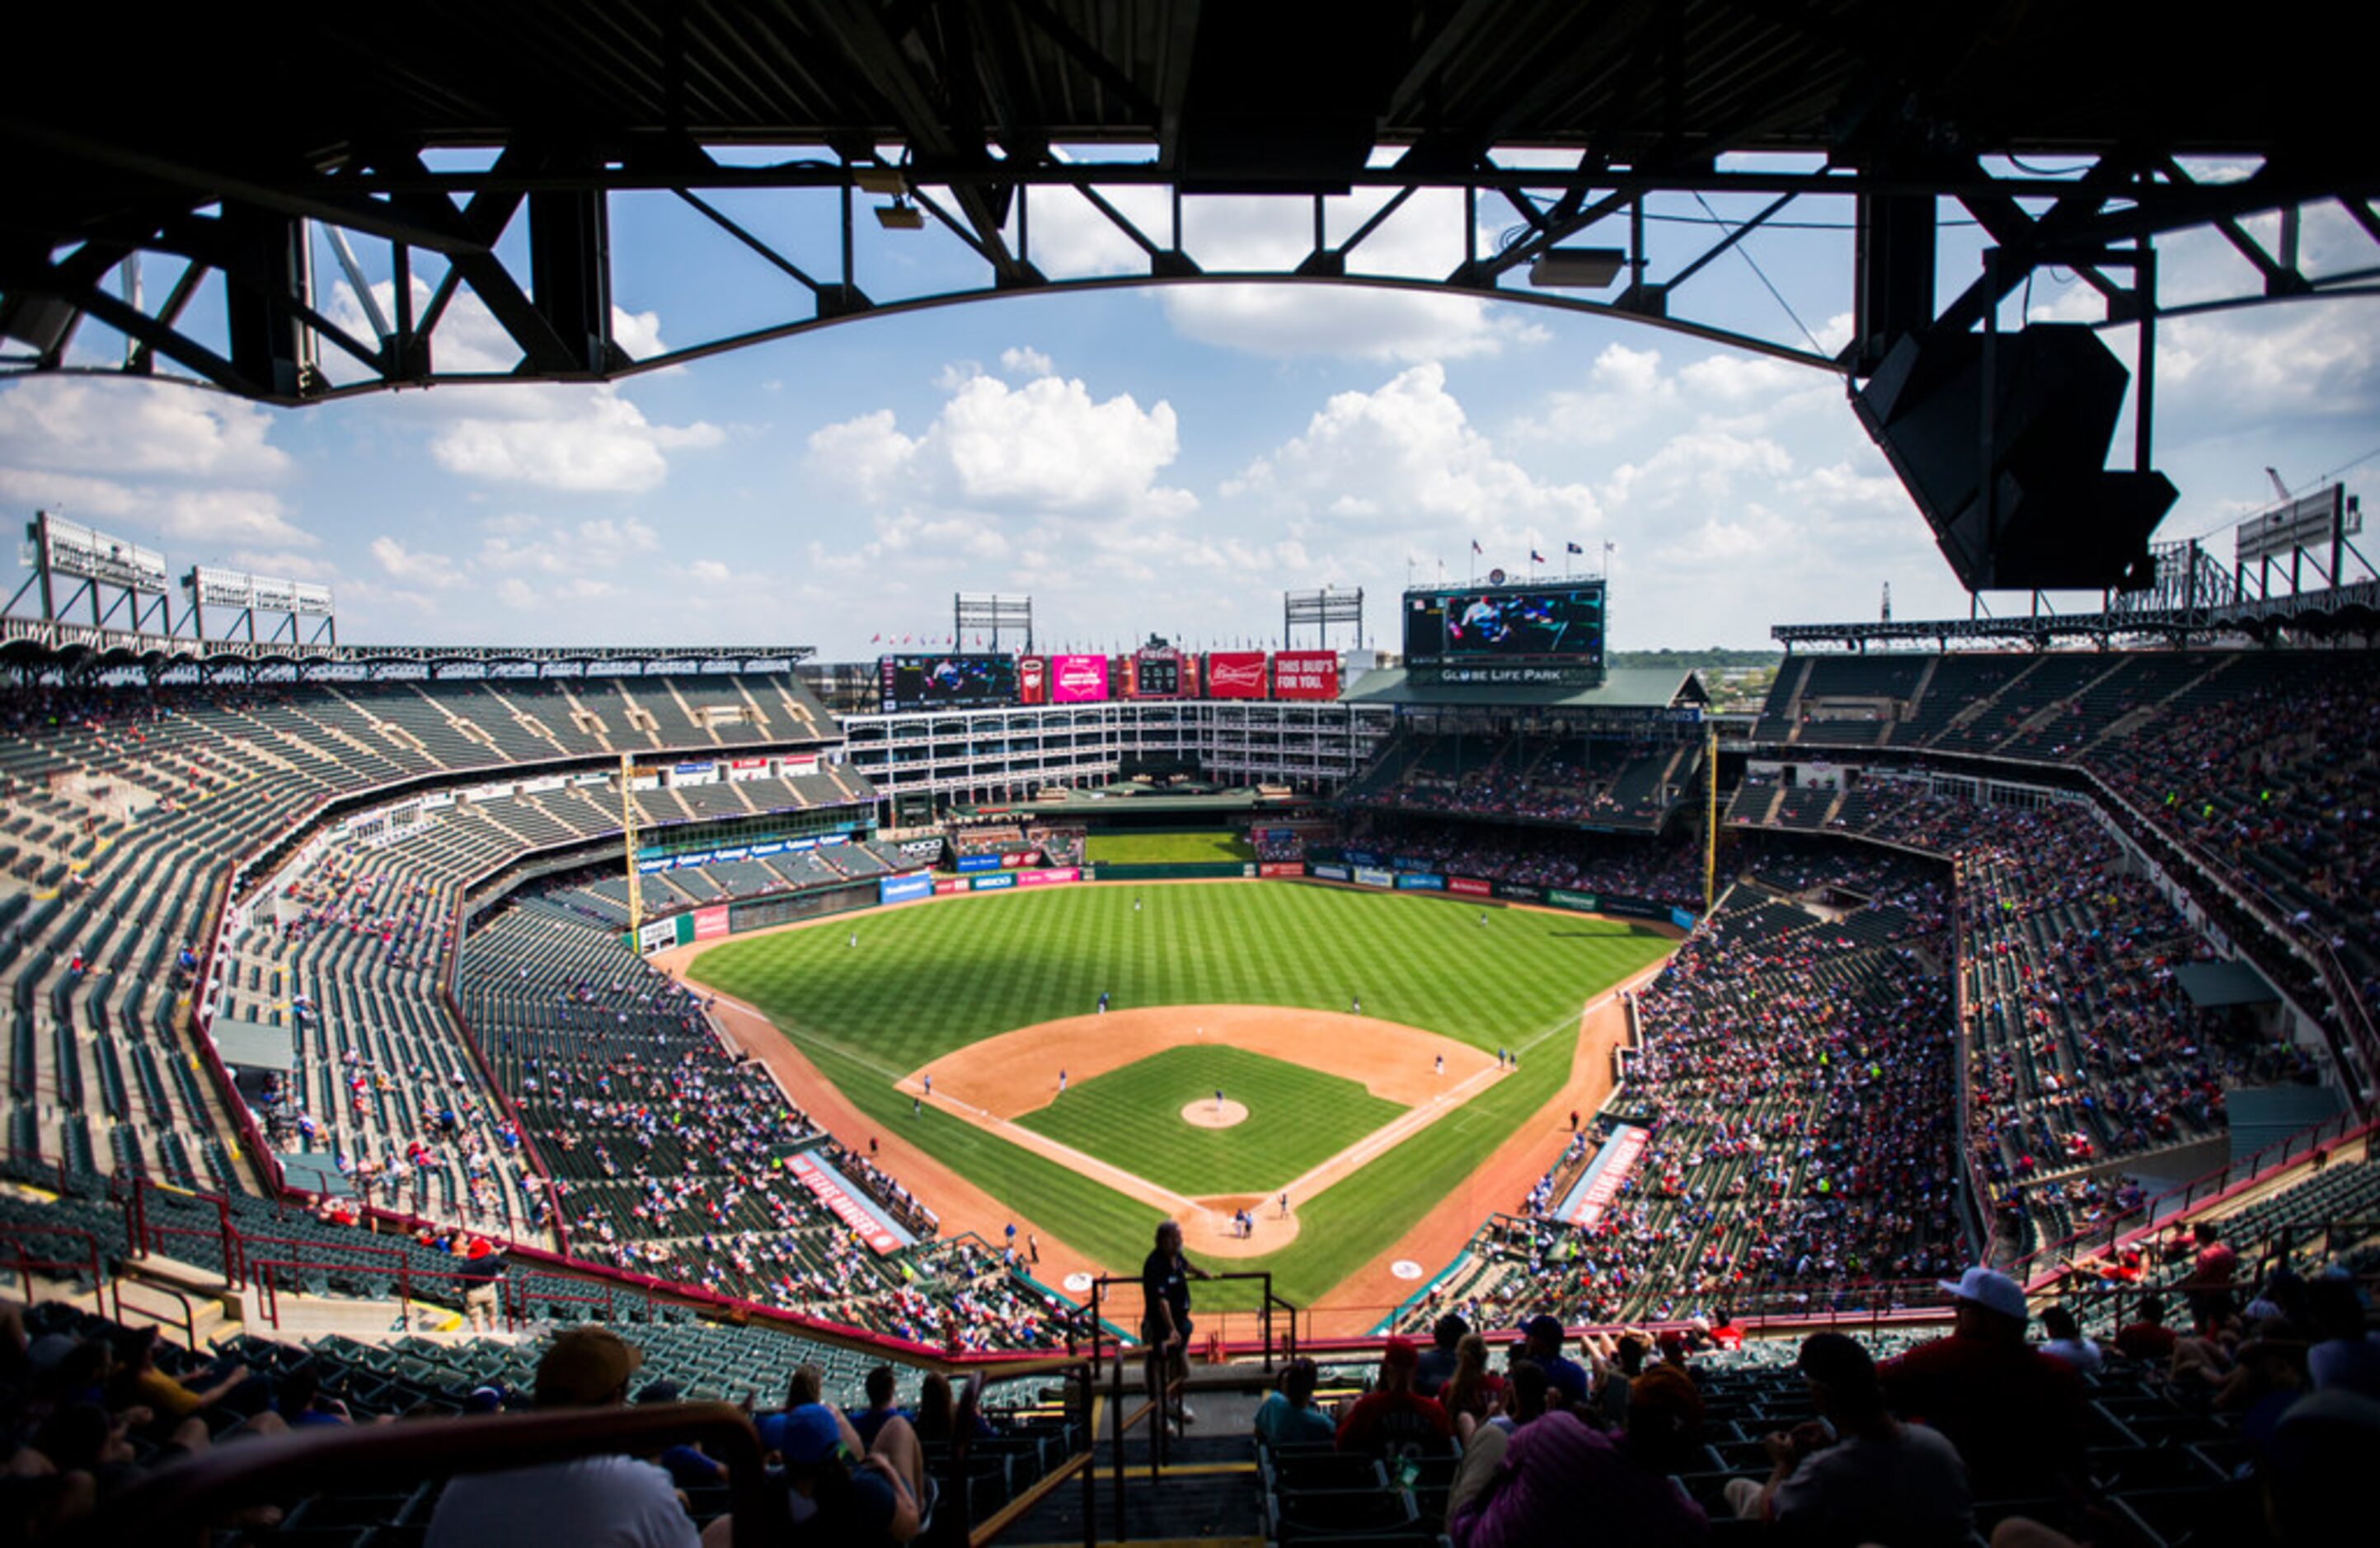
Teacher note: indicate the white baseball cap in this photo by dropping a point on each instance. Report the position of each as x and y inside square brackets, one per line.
[1991, 1291]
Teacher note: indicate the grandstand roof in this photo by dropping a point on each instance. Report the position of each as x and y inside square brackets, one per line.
[1623, 688]
[2213, 985]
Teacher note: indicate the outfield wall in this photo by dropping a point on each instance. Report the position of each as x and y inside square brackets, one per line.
[717, 921]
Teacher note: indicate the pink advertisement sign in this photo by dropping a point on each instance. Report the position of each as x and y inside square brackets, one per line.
[1048, 879]
[1077, 678]
[1470, 887]
[710, 921]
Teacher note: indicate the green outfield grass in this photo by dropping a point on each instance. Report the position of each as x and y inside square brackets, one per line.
[1131, 1118]
[1164, 849]
[930, 978]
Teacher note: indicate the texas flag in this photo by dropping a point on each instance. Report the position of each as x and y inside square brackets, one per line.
[1535, 558]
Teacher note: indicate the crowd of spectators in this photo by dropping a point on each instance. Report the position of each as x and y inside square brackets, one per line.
[1659, 871]
[1565, 779]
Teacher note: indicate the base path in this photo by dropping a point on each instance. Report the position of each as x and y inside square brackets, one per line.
[993, 1083]
[1500, 1183]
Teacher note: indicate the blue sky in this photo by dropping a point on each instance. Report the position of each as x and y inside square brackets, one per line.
[1136, 460]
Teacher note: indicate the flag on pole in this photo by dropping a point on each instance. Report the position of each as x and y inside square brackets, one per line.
[1476, 548]
[1573, 548]
[1535, 558]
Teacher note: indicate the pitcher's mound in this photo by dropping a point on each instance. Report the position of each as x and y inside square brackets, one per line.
[1205, 1114]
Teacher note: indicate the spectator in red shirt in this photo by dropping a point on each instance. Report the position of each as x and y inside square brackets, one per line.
[2016, 1415]
[2148, 1338]
[2209, 1284]
[1393, 1420]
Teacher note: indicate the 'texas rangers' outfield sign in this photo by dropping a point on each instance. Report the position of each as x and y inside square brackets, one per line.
[843, 1206]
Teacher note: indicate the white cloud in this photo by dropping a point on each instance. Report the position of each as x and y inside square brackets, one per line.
[1024, 360]
[579, 439]
[1045, 447]
[136, 428]
[409, 567]
[519, 542]
[1405, 459]
[210, 519]
[575, 439]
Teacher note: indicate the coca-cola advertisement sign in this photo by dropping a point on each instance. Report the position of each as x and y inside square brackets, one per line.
[1079, 679]
[1235, 675]
[1032, 679]
[1305, 674]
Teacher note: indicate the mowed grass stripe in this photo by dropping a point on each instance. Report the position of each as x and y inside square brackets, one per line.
[1165, 848]
[1131, 1118]
[926, 980]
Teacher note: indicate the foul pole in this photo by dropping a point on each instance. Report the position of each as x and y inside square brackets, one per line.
[628, 846]
[1710, 814]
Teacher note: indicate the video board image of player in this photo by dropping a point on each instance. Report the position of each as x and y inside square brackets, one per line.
[947, 681]
[1526, 623]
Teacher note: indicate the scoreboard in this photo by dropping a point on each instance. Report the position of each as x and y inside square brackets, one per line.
[946, 682]
[1535, 632]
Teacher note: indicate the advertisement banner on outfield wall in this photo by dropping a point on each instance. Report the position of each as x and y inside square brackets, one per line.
[1470, 887]
[947, 886]
[1235, 675]
[1519, 892]
[1079, 679]
[1683, 918]
[1327, 873]
[1048, 879]
[657, 936]
[1420, 881]
[993, 883]
[710, 921]
[1561, 897]
[1359, 857]
[1413, 863]
[901, 890]
[970, 864]
[1635, 908]
[1016, 860]
[1305, 674]
[1372, 876]
[1281, 868]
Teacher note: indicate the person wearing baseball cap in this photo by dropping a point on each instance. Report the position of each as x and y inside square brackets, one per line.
[2018, 1417]
[1861, 1476]
[617, 1502]
[1392, 1417]
[1568, 1377]
[841, 1491]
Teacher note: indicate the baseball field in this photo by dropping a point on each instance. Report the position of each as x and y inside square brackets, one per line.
[1373, 1112]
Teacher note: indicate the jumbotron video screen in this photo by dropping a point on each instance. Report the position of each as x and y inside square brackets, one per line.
[1544, 631]
[946, 682]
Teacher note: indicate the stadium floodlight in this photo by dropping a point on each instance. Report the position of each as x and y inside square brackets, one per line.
[900, 215]
[1577, 268]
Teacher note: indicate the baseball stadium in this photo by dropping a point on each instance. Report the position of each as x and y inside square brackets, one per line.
[1455, 1072]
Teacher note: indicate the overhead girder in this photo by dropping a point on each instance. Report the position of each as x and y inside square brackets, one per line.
[558, 316]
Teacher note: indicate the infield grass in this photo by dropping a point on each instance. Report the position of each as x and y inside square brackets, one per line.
[1165, 848]
[1131, 1118]
[932, 977]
